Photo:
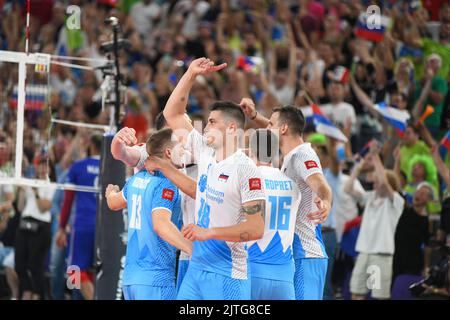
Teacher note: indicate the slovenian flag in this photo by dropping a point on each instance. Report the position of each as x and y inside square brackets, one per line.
[371, 27]
[446, 140]
[223, 177]
[249, 63]
[395, 117]
[325, 126]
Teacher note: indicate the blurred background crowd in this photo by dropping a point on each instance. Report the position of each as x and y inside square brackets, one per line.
[291, 52]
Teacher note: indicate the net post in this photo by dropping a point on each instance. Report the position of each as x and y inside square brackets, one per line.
[20, 118]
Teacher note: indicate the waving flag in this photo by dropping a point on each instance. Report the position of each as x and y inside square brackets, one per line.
[325, 126]
[395, 117]
[35, 97]
[446, 140]
[341, 74]
[368, 31]
[249, 63]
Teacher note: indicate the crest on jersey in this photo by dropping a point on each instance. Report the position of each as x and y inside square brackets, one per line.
[310, 164]
[168, 194]
[223, 177]
[254, 184]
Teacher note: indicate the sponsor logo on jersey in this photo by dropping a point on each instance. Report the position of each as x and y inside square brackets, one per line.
[310, 164]
[168, 194]
[254, 184]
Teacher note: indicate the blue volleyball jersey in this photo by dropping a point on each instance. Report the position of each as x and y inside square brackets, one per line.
[149, 259]
[85, 173]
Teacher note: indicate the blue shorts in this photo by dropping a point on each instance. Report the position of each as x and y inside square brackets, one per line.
[204, 285]
[309, 278]
[143, 292]
[81, 249]
[182, 269]
[268, 289]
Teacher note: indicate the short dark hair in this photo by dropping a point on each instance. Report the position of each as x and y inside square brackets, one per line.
[158, 141]
[264, 144]
[96, 141]
[293, 117]
[160, 121]
[231, 110]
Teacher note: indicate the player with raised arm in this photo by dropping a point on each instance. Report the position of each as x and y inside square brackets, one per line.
[154, 211]
[229, 195]
[271, 258]
[302, 165]
[124, 147]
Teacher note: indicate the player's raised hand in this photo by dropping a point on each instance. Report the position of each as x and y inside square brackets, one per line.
[195, 233]
[204, 66]
[126, 136]
[110, 189]
[248, 106]
[321, 215]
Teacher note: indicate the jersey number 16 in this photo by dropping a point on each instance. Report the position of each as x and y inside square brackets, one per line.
[280, 212]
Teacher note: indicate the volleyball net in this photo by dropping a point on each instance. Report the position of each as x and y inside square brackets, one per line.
[44, 130]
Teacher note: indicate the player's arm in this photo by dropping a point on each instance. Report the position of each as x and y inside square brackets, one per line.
[176, 105]
[324, 197]
[250, 229]
[249, 108]
[178, 178]
[61, 235]
[165, 228]
[115, 198]
[122, 147]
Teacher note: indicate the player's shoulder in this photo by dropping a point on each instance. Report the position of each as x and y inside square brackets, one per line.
[304, 151]
[241, 158]
[164, 182]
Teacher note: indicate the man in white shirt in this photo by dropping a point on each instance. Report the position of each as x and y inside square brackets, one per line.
[375, 244]
[338, 111]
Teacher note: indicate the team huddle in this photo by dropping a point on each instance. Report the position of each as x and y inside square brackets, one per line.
[246, 228]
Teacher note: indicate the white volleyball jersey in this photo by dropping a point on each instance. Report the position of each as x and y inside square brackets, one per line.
[222, 188]
[271, 257]
[299, 164]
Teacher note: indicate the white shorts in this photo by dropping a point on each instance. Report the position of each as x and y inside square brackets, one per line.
[372, 272]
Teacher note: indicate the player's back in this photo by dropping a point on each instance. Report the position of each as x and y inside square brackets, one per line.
[149, 259]
[271, 257]
[85, 173]
[298, 165]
